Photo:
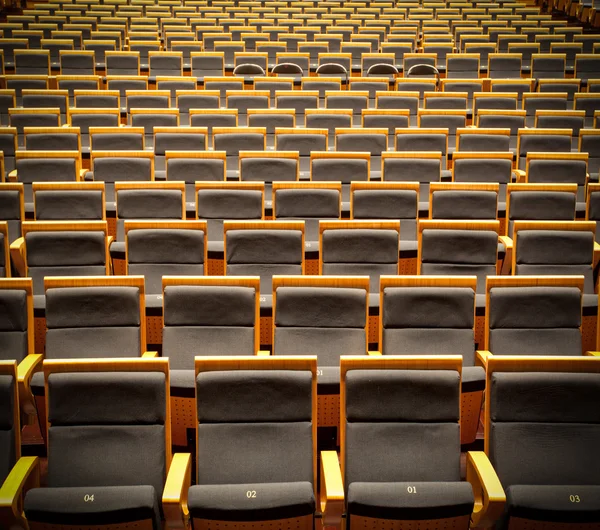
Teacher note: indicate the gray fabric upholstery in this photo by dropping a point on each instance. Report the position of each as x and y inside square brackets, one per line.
[298, 102]
[164, 245]
[52, 141]
[348, 101]
[111, 505]
[459, 246]
[544, 428]
[46, 170]
[229, 204]
[117, 142]
[268, 169]
[264, 247]
[328, 121]
[339, 170]
[542, 143]
[192, 169]
[233, 143]
[13, 310]
[270, 121]
[13, 345]
[121, 168]
[463, 204]
[264, 270]
[149, 120]
[422, 340]
[178, 142]
[412, 169]
[371, 143]
[93, 342]
[56, 205]
[482, 170]
[307, 203]
[303, 143]
[535, 320]
[65, 248]
[392, 500]
[386, 204]
[558, 171]
[7, 426]
[147, 101]
[149, 204]
[70, 307]
[316, 307]
[280, 500]
[542, 205]
[559, 247]
[243, 102]
[360, 246]
[197, 101]
[389, 121]
[484, 142]
[212, 120]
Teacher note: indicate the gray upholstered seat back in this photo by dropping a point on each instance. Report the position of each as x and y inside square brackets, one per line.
[535, 320]
[118, 142]
[303, 143]
[497, 101]
[192, 169]
[313, 203]
[371, 252]
[112, 435]
[270, 121]
[449, 121]
[545, 143]
[328, 121]
[149, 120]
[259, 169]
[429, 321]
[505, 67]
[371, 143]
[122, 168]
[576, 123]
[77, 65]
[256, 425]
[8, 429]
[298, 102]
[85, 121]
[482, 170]
[343, 170]
[233, 143]
[485, 142]
[323, 321]
[209, 320]
[557, 171]
[470, 252]
[213, 120]
[165, 65]
[60, 205]
[447, 103]
[412, 169]
[264, 253]
[13, 325]
[541, 206]
[243, 103]
[46, 169]
[155, 252]
[64, 253]
[178, 142]
[464, 204]
[419, 407]
[545, 429]
[10, 207]
[348, 101]
[556, 252]
[389, 204]
[147, 101]
[421, 142]
[88, 322]
[21, 121]
[52, 142]
[390, 121]
[122, 64]
[501, 121]
[197, 101]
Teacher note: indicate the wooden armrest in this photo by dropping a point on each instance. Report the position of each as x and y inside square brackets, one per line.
[150, 355]
[520, 175]
[263, 353]
[82, 173]
[175, 494]
[596, 254]
[23, 476]
[481, 357]
[508, 255]
[506, 241]
[110, 240]
[25, 370]
[592, 354]
[373, 352]
[17, 254]
[487, 489]
[12, 176]
[332, 490]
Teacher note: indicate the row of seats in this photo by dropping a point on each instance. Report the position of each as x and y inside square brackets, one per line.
[256, 460]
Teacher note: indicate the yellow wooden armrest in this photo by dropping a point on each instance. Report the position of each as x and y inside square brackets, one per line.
[506, 241]
[82, 173]
[175, 494]
[25, 370]
[12, 176]
[17, 254]
[150, 355]
[487, 489]
[263, 353]
[24, 476]
[481, 357]
[592, 354]
[520, 175]
[332, 489]
[373, 352]
[507, 262]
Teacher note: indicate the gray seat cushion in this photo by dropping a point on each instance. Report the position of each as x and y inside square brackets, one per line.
[110, 505]
[395, 500]
[251, 502]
